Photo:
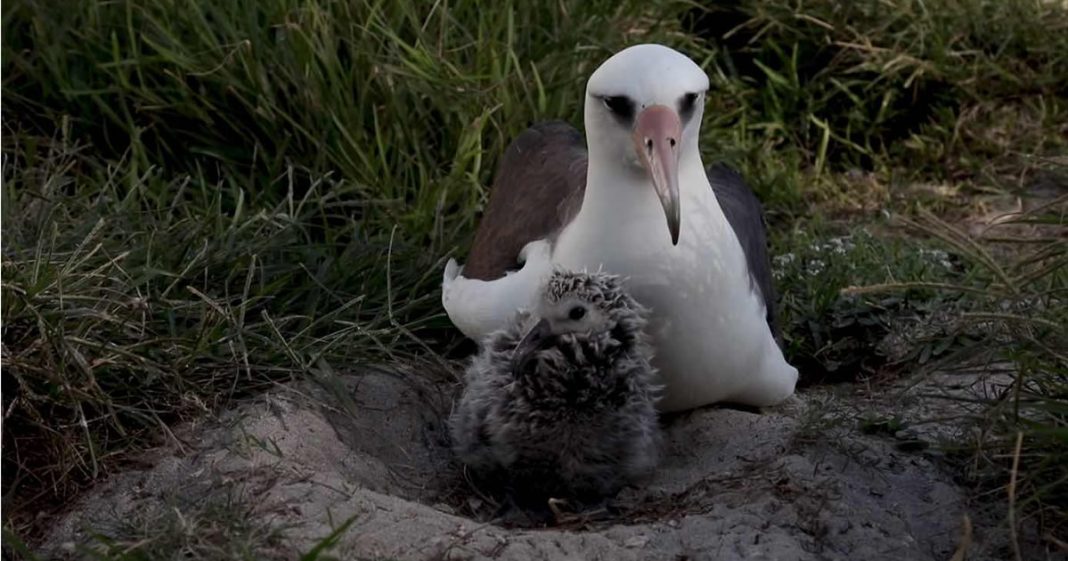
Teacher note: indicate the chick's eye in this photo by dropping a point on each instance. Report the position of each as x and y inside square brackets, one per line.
[620, 105]
[577, 313]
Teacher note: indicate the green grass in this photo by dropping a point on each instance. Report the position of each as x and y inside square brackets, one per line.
[1016, 313]
[218, 527]
[831, 336]
[941, 90]
[220, 524]
[203, 199]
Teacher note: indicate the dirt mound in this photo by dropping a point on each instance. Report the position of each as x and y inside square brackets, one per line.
[799, 482]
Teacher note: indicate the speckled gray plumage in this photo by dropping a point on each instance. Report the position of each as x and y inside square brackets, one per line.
[577, 420]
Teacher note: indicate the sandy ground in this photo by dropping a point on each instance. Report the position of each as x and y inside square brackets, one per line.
[799, 482]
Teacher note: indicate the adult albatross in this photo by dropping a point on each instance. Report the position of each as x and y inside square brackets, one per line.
[704, 271]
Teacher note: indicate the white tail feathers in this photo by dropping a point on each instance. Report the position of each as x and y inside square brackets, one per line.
[536, 252]
[452, 270]
[478, 307]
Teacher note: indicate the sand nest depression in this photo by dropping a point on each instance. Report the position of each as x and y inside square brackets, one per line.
[368, 453]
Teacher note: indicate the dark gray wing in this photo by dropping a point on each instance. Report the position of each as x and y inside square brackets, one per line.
[538, 189]
[745, 214]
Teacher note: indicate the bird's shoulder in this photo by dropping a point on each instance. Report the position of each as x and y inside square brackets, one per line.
[537, 189]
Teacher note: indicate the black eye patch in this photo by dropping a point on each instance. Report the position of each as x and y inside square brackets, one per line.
[687, 103]
[620, 105]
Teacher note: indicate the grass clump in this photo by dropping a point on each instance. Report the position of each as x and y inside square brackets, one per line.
[834, 336]
[1021, 311]
[220, 528]
[218, 522]
[132, 301]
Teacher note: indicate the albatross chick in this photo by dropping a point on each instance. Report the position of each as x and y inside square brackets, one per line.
[561, 404]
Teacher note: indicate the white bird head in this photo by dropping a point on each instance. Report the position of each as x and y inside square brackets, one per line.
[643, 114]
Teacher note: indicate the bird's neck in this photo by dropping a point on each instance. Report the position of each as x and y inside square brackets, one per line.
[619, 191]
[622, 227]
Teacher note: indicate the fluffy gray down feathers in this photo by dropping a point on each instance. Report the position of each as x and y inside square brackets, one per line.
[579, 420]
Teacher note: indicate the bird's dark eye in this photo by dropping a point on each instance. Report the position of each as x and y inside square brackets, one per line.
[577, 313]
[620, 105]
[686, 105]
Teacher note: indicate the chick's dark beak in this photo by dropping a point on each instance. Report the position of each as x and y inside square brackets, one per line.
[531, 342]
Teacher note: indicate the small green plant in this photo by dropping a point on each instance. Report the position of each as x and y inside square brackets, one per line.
[221, 526]
[835, 336]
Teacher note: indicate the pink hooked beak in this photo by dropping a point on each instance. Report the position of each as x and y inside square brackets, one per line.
[656, 138]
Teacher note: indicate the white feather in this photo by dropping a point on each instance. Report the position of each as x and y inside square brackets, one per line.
[479, 307]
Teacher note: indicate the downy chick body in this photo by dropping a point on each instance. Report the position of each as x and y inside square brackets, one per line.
[562, 403]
